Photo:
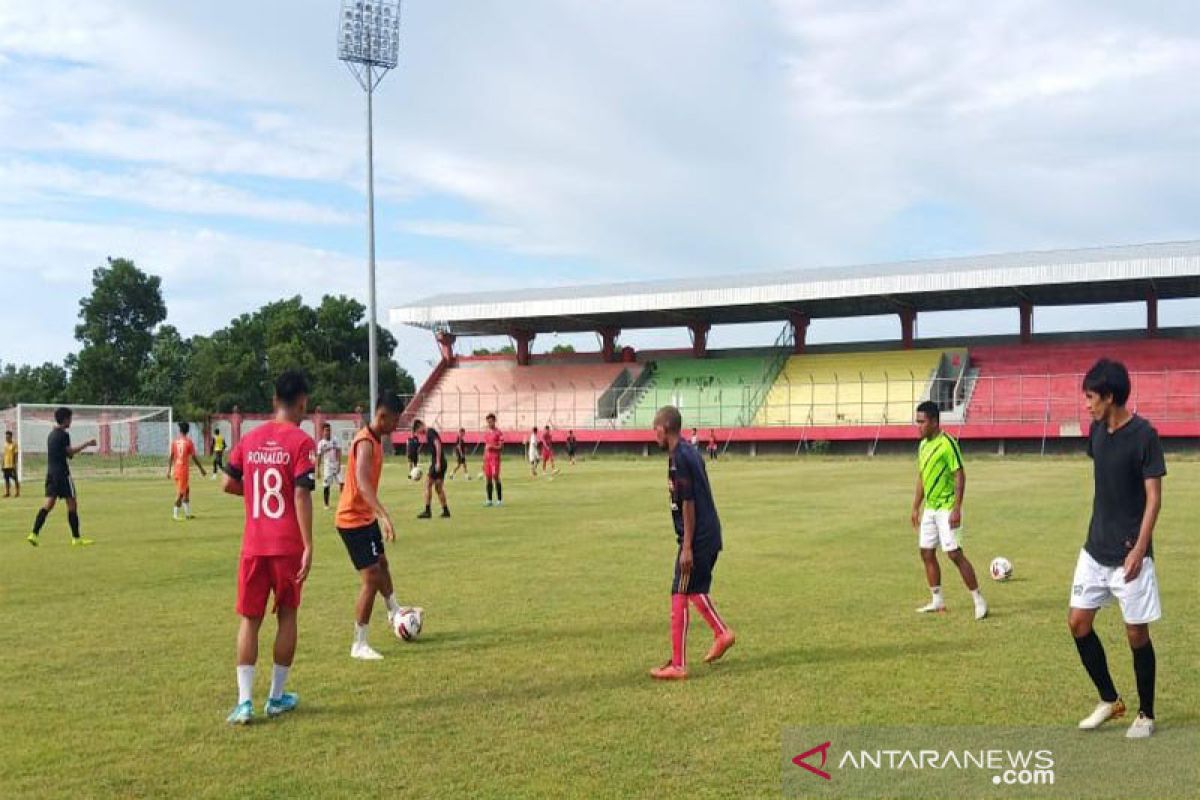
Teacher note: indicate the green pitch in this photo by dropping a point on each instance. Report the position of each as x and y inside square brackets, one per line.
[116, 661]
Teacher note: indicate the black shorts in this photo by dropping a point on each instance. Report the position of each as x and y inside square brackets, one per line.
[700, 581]
[462, 459]
[10, 474]
[60, 486]
[570, 450]
[218, 459]
[437, 472]
[365, 544]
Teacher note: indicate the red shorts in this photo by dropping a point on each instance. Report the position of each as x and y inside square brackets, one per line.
[491, 467]
[547, 454]
[259, 576]
[182, 481]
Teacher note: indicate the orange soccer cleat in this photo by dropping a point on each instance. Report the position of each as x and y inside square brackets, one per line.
[721, 644]
[668, 672]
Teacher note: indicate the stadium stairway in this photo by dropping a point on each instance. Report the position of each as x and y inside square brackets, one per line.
[872, 388]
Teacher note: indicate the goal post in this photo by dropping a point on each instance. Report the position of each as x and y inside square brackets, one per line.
[130, 440]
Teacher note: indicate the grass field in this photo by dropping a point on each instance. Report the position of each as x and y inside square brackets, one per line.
[116, 662]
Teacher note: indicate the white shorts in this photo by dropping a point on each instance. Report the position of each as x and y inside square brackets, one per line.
[1096, 585]
[333, 476]
[935, 527]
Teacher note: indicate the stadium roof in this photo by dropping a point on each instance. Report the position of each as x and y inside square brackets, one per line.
[1055, 277]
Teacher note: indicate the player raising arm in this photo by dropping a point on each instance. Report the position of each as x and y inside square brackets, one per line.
[364, 524]
[272, 469]
[58, 478]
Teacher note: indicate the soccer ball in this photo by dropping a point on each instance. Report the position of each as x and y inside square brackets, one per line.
[415, 474]
[1001, 569]
[407, 626]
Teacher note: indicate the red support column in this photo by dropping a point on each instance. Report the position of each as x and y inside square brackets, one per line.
[609, 347]
[908, 320]
[105, 434]
[699, 338]
[1026, 322]
[523, 340]
[445, 341]
[1151, 313]
[235, 427]
[799, 321]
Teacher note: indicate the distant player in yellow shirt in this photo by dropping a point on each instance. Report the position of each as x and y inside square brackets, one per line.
[218, 452]
[10, 465]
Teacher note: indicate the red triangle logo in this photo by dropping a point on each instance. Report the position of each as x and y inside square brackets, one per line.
[823, 749]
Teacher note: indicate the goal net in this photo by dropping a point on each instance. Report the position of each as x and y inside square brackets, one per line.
[130, 440]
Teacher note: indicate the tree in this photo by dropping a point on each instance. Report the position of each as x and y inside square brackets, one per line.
[116, 331]
[161, 381]
[28, 384]
[506, 350]
[562, 348]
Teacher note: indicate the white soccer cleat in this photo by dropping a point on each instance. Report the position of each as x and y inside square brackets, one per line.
[981, 609]
[1103, 713]
[1141, 728]
[932, 608]
[364, 652]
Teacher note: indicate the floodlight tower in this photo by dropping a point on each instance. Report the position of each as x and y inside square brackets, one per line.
[369, 45]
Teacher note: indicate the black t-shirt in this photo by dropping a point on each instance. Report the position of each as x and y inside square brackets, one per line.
[1121, 462]
[431, 439]
[460, 446]
[571, 442]
[414, 446]
[687, 479]
[57, 445]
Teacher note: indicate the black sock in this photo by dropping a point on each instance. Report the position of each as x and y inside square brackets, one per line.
[326, 495]
[489, 490]
[40, 521]
[1091, 653]
[1144, 665]
[73, 521]
[427, 508]
[499, 491]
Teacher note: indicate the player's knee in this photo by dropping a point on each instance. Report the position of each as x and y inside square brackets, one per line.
[1080, 625]
[1138, 635]
[956, 556]
[928, 555]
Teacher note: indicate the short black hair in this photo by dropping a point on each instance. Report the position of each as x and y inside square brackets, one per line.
[63, 414]
[670, 418]
[490, 416]
[184, 428]
[291, 385]
[8, 434]
[389, 401]
[1108, 378]
[417, 425]
[325, 426]
[930, 410]
[462, 430]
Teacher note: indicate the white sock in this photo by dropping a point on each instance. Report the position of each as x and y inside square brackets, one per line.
[278, 679]
[187, 509]
[245, 678]
[360, 633]
[392, 604]
[175, 512]
[977, 595]
[936, 591]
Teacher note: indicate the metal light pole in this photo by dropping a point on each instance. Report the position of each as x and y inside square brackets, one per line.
[369, 46]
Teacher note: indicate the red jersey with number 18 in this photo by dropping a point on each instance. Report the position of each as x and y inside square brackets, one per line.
[269, 461]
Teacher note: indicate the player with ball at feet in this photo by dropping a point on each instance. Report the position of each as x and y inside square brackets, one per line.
[364, 524]
[941, 484]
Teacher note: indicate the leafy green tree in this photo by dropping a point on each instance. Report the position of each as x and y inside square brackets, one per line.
[162, 380]
[116, 327]
[46, 383]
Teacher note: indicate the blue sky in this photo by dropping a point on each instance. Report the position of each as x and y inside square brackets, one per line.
[219, 144]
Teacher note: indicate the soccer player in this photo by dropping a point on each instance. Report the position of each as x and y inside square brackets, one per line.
[329, 456]
[695, 440]
[548, 452]
[435, 478]
[218, 446]
[712, 445]
[183, 451]
[698, 534]
[534, 452]
[572, 443]
[271, 468]
[1117, 560]
[493, 448]
[413, 448]
[364, 523]
[58, 478]
[10, 464]
[460, 454]
[941, 483]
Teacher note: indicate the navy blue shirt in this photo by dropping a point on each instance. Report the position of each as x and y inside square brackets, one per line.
[688, 480]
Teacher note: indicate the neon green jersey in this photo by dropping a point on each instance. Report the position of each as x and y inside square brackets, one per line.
[938, 459]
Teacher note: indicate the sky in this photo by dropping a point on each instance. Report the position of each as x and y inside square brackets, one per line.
[221, 145]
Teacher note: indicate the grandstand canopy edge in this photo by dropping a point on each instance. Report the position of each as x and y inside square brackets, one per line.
[1132, 273]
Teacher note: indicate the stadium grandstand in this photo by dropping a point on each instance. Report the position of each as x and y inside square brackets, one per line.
[1017, 389]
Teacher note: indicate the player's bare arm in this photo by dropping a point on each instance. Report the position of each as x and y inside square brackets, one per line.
[303, 497]
[689, 532]
[960, 489]
[199, 466]
[918, 499]
[230, 484]
[367, 489]
[74, 451]
[1133, 561]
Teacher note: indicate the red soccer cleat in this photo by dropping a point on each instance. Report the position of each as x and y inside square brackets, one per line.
[668, 672]
[720, 645]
